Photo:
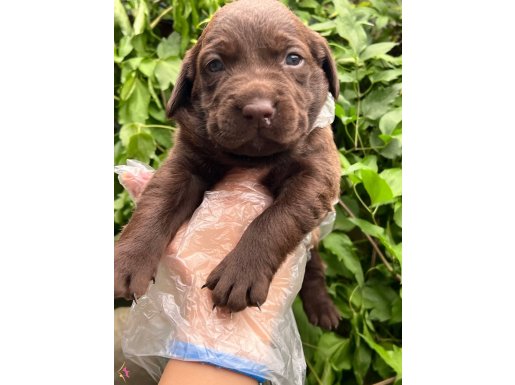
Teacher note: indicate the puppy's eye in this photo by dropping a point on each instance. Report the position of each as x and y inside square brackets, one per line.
[292, 59]
[215, 65]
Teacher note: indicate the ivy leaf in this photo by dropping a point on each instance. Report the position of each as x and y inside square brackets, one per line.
[361, 362]
[140, 18]
[310, 334]
[337, 350]
[167, 71]
[326, 25]
[377, 188]
[385, 76]
[162, 136]
[309, 4]
[397, 214]
[378, 299]
[169, 46]
[392, 150]
[396, 311]
[128, 87]
[341, 246]
[374, 50]
[393, 176]
[378, 101]
[347, 27]
[124, 48]
[368, 228]
[121, 19]
[141, 146]
[390, 120]
[147, 67]
[392, 357]
[127, 131]
[135, 109]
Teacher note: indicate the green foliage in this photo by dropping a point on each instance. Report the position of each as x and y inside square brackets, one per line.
[364, 252]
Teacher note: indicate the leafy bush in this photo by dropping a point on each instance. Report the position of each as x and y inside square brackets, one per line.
[364, 252]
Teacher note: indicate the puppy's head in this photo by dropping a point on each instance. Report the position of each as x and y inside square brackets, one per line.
[255, 81]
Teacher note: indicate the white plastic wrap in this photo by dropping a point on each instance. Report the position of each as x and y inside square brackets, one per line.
[174, 319]
[326, 115]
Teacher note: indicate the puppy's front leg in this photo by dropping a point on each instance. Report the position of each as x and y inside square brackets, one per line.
[169, 199]
[243, 278]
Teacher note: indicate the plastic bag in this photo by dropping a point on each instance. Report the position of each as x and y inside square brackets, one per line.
[326, 115]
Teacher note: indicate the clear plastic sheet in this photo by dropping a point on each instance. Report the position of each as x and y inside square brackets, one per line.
[326, 115]
[174, 319]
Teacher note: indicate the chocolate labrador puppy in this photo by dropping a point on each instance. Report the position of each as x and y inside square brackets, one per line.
[248, 95]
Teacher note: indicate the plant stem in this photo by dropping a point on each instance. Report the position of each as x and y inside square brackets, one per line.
[362, 203]
[373, 259]
[373, 243]
[314, 372]
[309, 345]
[161, 15]
[157, 126]
[390, 380]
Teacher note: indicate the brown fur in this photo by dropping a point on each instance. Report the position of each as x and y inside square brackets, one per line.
[251, 39]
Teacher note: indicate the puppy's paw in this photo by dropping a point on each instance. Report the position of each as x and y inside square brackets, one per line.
[322, 313]
[237, 285]
[132, 273]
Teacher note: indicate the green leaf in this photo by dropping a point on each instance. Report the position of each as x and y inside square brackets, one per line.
[368, 228]
[342, 357]
[128, 87]
[390, 120]
[124, 48]
[169, 46]
[126, 132]
[392, 357]
[396, 251]
[309, 4]
[382, 367]
[361, 362]
[327, 25]
[377, 188]
[379, 233]
[158, 113]
[370, 162]
[378, 101]
[162, 136]
[147, 67]
[141, 146]
[393, 176]
[139, 42]
[396, 311]
[385, 76]
[392, 150]
[341, 246]
[140, 19]
[121, 19]
[378, 299]
[347, 26]
[374, 50]
[397, 215]
[310, 334]
[336, 350]
[135, 109]
[167, 71]
[342, 222]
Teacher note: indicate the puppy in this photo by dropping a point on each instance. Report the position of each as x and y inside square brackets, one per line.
[247, 95]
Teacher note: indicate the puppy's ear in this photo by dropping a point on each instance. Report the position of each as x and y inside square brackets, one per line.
[181, 92]
[328, 64]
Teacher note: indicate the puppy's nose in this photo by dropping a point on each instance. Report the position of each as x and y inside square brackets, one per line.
[259, 110]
